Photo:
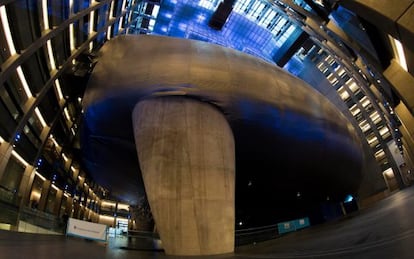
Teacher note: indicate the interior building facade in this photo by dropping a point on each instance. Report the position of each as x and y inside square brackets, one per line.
[358, 54]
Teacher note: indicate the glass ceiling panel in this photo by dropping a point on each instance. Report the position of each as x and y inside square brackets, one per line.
[253, 27]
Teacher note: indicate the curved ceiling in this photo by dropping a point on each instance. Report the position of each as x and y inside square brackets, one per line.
[289, 138]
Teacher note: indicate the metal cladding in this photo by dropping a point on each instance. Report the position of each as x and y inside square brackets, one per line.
[288, 137]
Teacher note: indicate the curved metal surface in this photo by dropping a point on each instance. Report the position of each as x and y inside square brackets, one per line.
[289, 139]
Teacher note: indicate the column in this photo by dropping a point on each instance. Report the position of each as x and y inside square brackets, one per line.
[186, 154]
[58, 202]
[26, 185]
[407, 130]
[43, 196]
[69, 206]
[5, 153]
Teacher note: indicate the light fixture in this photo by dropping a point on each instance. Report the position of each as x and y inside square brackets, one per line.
[45, 15]
[40, 117]
[24, 82]
[52, 62]
[55, 187]
[71, 37]
[399, 52]
[348, 198]
[6, 29]
[18, 157]
[91, 25]
[40, 176]
[58, 89]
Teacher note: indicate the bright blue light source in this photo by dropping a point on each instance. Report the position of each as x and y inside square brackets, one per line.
[182, 26]
[39, 162]
[201, 18]
[348, 198]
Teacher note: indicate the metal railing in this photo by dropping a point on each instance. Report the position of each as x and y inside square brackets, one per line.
[257, 234]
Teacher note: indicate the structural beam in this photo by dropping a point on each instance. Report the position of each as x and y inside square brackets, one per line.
[290, 46]
[402, 82]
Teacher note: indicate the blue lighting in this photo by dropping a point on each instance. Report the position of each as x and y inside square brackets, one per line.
[348, 198]
[189, 19]
[39, 162]
[182, 26]
[201, 18]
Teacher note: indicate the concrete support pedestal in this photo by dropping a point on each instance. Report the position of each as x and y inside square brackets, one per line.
[186, 153]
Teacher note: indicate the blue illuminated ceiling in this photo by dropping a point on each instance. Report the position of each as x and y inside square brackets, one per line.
[242, 31]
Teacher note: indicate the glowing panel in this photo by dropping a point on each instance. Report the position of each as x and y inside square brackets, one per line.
[40, 117]
[384, 131]
[71, 37]
[66, 112]
[50, 55]
[6, 29]
[91, 25]
[40, 176]
[399, 52]
[155, 11]
[111, 10]
[24, 82]
[45, 15]
[58, 89]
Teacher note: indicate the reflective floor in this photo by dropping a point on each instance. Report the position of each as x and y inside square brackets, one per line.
[385, 230]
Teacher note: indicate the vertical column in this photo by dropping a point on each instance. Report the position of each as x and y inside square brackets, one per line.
[58, 202]
[26, 185]
[407, 130]
[402, 83]
[186, 153]
[5, 153]
[43, 196]
[69, 206]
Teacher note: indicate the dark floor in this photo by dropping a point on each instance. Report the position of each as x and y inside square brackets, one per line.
[385, 230]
